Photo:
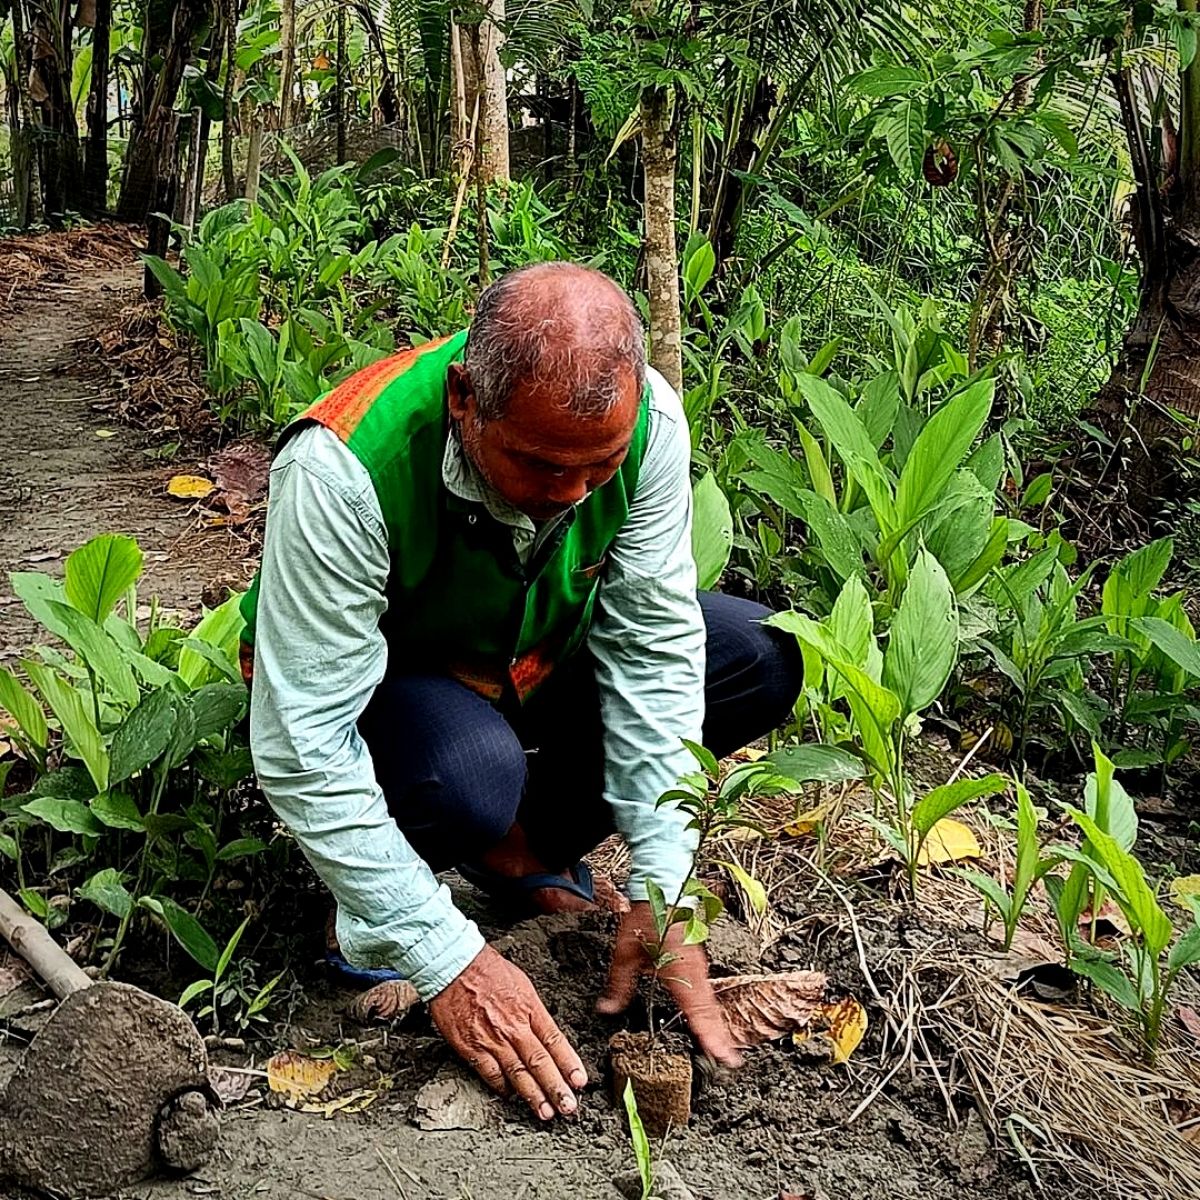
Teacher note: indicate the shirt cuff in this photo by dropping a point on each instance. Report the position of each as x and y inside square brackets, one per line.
[431, 964]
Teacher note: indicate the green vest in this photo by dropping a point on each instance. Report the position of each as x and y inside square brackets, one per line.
[459, 600]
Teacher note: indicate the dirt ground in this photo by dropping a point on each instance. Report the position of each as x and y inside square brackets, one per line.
[70, 470]
[782, 1125]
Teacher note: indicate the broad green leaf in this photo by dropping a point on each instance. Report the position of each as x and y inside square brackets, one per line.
[190, 934]
[221, 628]
[35, 902]
[1025, 868]
[942, 801]
[904, 131]
[845, 429]
[705, 757]
[1133, 893]
[240, 848]
[874, 707]
[216, 660]
[100, 572]
[71, 782]
[940, 447]
[1108, 803]
[811, 763]
[988, 887]
[36, 591]
[658, 907]
[118, 811]
[696, 930]
[712, 530]
[183, 734]
[67, 816]
[886, 81]
[142, 736]
[106, 889]
[193, 990]
[1186, 951]
[834, 536]
[217, 707]
[224, 768]
[989, 558]
[1183, 651]
[923, 645]
[9, 847]
[818, 468]
[23, 709]
[1109, 979]
[851, 621]
[878, 405]
[69, 707]
[106, 659]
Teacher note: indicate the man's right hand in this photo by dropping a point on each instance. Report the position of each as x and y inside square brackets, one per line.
[492, 1017]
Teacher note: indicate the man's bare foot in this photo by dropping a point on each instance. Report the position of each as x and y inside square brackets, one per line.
[384, 1002]
[608, 898]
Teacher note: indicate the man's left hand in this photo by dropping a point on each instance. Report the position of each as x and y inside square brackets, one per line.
[686, 978]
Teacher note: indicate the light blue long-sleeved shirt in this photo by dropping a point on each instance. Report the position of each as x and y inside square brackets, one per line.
[319, 655]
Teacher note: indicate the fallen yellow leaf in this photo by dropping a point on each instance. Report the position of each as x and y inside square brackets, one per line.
[298, 1078]
[190, 487]
[106, 433]
[806, 822]
[844, 1022]
[1185, 885]
[948, 841]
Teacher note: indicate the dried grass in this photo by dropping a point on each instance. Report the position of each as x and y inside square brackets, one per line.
[1064, 1085]
[28, 261]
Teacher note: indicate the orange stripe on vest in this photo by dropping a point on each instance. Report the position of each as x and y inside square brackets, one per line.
[345, 406]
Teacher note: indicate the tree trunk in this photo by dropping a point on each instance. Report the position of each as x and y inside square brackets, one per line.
[483, 75]
[662, 256]
[27, 182]
[388, 97]
[52, 51]
[287, 61]
[339, 88]
[95, 169]
[254, 154]
[230, 14]
[152, 159]
[1152, 399]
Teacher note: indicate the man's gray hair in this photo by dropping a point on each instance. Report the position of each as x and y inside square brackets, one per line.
[534, 325]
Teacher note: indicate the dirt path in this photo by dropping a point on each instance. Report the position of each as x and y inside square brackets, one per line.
[69, 471]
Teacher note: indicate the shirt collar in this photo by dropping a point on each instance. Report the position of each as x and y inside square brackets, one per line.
[462, 479]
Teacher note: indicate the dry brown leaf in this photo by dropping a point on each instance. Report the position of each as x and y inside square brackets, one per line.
[1110, 922]
[241, 472]
[384, 1002]
[229, 1084]
[350, 1102]
[13, 973]
[764, 1008]
[1190, 1019]
[298, 1078]
[948, 841]
[190, 487]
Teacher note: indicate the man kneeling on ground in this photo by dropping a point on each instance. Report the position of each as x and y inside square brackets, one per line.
[476, 642]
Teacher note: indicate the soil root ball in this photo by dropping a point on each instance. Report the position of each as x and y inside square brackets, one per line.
[661, 1077]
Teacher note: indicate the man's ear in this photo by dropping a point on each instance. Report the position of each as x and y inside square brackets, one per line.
[460, 394]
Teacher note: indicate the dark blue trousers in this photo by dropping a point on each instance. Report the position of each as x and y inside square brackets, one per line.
[457, 771]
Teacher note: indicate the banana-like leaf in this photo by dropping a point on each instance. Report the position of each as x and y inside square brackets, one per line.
[69, 707]
[923, 645]
[712, 530]
[99, 573]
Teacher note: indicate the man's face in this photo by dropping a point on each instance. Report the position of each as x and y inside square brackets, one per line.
[539, 456]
